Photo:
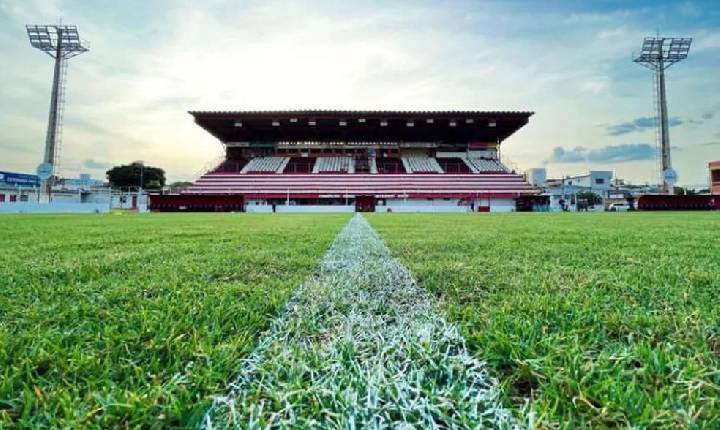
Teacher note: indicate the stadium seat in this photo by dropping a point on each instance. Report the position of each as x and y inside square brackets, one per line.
[415, 164]
[487, 165]
[266, 165]
[333, 165]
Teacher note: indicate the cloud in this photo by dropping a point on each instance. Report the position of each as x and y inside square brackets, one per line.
[12, 145]
[607, 154]
[711, 112]
[562, 155]
[622, 153]
[126, 103]
[639, 124]
[96, 165]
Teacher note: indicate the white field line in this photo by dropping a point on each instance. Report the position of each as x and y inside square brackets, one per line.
[361, 345]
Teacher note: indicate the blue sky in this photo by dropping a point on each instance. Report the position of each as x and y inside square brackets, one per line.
[570, 62]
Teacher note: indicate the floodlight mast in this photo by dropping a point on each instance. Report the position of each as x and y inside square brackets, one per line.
[657, 54]
[61, 42]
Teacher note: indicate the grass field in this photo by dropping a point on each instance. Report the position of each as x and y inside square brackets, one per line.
[134, 321]
[601, 320]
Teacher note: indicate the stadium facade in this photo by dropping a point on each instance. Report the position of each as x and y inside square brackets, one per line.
[367, 161]
[714, 167]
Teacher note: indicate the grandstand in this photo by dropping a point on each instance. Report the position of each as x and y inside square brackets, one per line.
[358, 160]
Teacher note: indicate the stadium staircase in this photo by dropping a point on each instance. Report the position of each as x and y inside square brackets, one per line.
[373, 165]
[470, 165]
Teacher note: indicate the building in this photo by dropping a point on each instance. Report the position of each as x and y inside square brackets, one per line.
[18, 187]
[714, 167]
[536, 177]
[381, 161]
[83, 181]
[562, 192]
[597, 181]
[19, 192]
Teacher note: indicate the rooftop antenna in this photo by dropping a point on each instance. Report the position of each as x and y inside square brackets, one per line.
[60, 42]
[657, 54]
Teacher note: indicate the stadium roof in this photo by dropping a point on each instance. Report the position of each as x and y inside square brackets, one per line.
[361, 126]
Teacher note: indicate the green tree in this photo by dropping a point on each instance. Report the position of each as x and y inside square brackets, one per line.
[136, 174]
[179, 186]
[592, 198]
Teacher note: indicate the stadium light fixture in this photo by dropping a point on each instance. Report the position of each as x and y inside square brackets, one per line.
[410, 124]
[657, 54]
[662, 52]
[312, 122]
[429, 120]
[453, 123]
[383, 123]
[60, 42]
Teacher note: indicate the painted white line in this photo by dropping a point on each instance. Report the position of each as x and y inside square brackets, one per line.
[361, 345]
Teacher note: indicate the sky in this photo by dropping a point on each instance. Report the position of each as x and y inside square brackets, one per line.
[570, 62]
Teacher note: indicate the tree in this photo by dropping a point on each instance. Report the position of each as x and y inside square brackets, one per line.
[592, 198]
[135, 175]
[179, 186]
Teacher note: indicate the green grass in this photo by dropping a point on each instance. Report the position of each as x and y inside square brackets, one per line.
[135, 321]
[601, 320]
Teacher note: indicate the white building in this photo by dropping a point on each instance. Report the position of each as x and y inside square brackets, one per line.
[536, 176]
[563, 192]
[597, 181]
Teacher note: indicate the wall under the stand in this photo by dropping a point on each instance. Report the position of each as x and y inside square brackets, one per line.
[502, 205]
[395, 205]
[421, 205]
[419, 208]
[264, 208]
[315, 208]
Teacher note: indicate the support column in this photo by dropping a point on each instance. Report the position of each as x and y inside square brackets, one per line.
[664, 127]
[52, 130]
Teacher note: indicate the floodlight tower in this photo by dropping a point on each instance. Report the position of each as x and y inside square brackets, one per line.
[657, 54]
[61, 42]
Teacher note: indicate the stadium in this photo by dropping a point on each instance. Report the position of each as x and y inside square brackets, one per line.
[357, 161]
[350, 268]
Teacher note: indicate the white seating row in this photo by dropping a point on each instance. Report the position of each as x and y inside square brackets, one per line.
[487, 165]
[265, 165]
[333, 164]
[415, 164]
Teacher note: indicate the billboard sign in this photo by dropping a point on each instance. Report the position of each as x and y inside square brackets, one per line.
[44, 170]
[19, 179]
[670, 176]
